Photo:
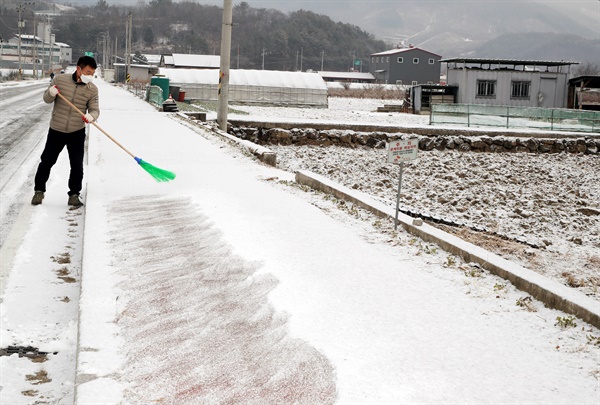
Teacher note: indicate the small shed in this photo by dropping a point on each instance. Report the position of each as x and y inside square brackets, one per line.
[424, 95]
[137, 73]
[584, 93]
[268, 87]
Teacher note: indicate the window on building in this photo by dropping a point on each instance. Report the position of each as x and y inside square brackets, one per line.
[519, 89]
[416, 61]
[431, 61]
[400, 59]
[414, 83]
[373, 59]
[486, 88]
[387, 59]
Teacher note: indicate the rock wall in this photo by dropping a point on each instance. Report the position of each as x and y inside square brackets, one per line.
[353, 139]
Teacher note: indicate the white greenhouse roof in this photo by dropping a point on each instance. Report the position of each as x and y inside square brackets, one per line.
[240, 77]
[205, 61]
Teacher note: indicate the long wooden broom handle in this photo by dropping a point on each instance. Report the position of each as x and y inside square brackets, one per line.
[96, 125]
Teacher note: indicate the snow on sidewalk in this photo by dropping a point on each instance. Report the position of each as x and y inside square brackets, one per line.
[227, 286]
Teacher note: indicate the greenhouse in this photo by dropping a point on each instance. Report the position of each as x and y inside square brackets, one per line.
[266, 87]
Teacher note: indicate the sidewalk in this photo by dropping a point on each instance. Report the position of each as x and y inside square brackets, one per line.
[230, 286]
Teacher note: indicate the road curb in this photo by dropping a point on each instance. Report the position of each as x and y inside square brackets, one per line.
[551, 293]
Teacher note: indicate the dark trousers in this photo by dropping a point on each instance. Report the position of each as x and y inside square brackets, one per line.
[55, 143]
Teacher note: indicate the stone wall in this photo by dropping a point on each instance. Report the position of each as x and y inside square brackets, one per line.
[353, 139]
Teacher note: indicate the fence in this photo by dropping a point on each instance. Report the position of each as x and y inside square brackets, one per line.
[553, 119]
[154, 95]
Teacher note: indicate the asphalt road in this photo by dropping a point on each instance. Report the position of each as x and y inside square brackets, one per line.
[24, 119]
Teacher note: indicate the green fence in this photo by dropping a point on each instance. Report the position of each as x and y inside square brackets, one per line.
[553, 119]
[154, 95]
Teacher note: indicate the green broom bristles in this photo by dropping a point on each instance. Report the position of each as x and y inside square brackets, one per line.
[159, 174]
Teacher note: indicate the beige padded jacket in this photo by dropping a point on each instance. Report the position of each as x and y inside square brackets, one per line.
[84, 96]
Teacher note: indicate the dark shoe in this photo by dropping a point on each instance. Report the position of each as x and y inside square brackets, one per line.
[74, 201]
[38, 196]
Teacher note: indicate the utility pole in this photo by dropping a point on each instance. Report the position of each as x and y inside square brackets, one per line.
[322, 57]
[225, 62]
[301, 57]
[21, 24]
[34, 52]
[128, 56]
[52, 41]
[263, 59]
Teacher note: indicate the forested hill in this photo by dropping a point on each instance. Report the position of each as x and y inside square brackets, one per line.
[261, 37]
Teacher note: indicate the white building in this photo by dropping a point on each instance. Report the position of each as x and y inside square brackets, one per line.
[509, 82]
[34, 51]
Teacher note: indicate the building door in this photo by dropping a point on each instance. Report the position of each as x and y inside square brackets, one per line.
[547, 94]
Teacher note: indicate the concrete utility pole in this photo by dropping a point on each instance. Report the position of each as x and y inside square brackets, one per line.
[21, 24]
[225, 62]
[128, 55]
[322, 58]
[34, 52]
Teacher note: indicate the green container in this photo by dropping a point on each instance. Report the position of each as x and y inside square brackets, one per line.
[163, 83]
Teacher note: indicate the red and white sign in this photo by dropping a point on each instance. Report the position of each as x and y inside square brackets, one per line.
[402, 150]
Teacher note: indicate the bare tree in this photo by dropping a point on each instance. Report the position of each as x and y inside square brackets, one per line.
[588, 69]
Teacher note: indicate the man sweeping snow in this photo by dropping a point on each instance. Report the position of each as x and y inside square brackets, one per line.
[67, 127]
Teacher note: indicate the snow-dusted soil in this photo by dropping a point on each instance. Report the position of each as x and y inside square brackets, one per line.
[550, 200]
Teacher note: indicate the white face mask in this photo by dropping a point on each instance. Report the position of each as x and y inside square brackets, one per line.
[86, 79]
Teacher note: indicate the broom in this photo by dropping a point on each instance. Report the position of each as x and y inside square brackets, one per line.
[157, 173]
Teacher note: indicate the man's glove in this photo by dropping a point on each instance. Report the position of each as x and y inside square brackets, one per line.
[53, 91]
[87, 118]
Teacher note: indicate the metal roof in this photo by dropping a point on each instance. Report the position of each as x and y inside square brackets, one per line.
[347, 75]
[401, 50]
[484, 61]
[589, 81]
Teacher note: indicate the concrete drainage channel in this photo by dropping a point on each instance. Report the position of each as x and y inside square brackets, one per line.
[551, 293]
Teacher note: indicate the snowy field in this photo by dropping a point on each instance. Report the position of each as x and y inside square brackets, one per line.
[549, 200]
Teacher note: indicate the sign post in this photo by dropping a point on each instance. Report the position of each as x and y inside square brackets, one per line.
[401, 151]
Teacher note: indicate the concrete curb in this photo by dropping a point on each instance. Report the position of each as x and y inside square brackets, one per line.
[551, 293]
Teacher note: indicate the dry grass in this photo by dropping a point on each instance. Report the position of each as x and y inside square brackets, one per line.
[375, 91]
